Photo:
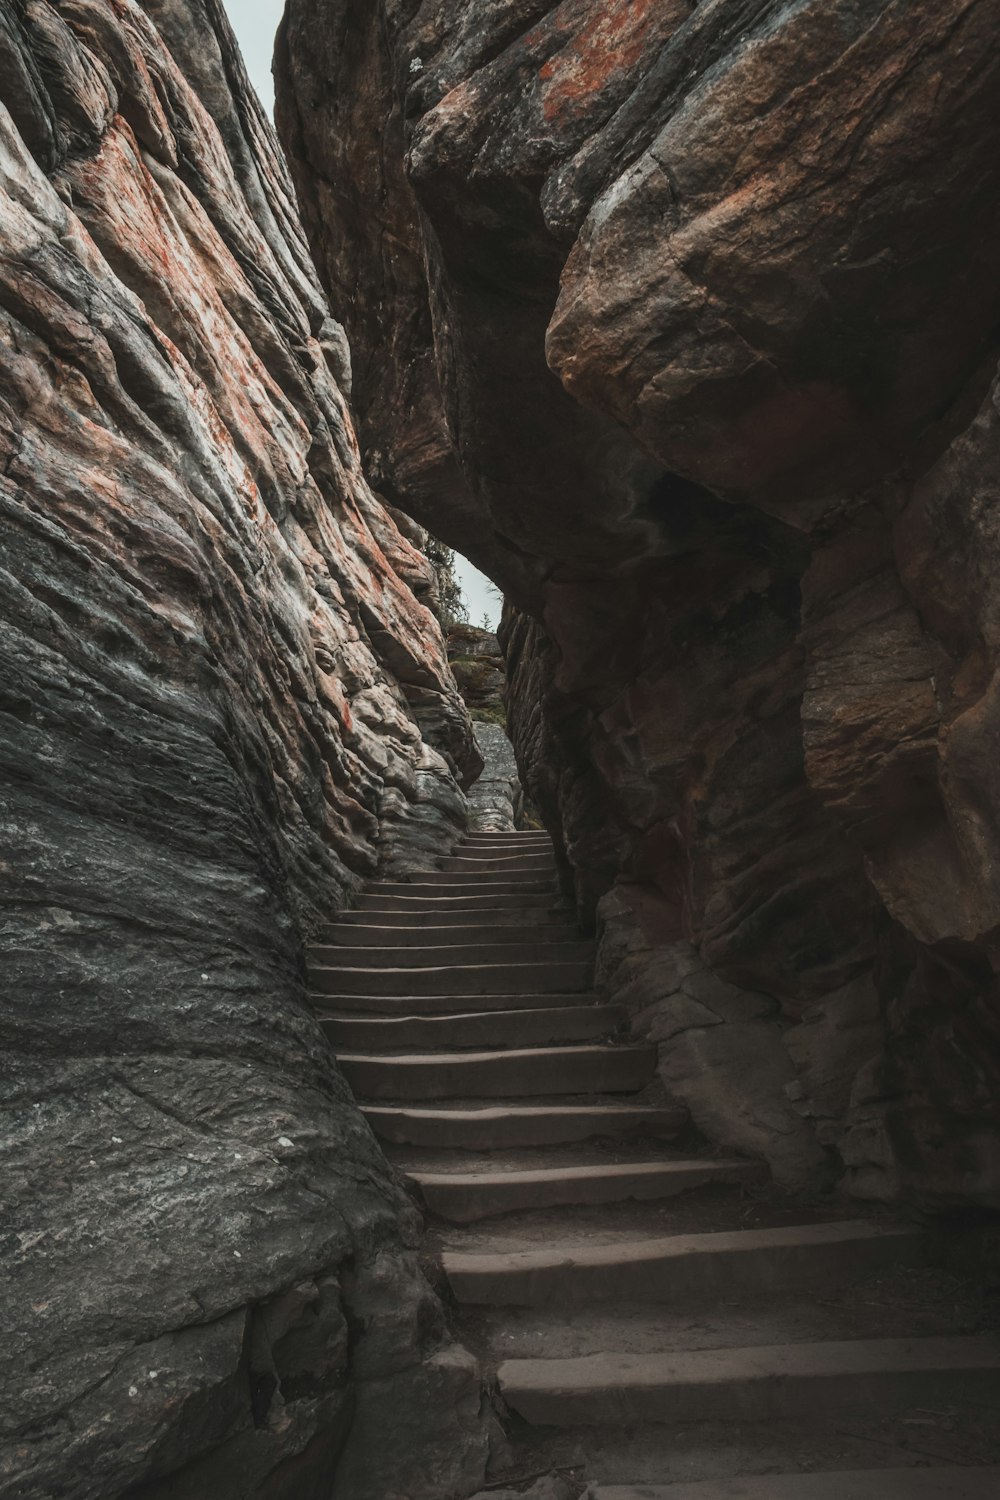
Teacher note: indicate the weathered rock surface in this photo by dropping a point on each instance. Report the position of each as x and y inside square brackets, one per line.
[549, 1487]
[478, 666]
[681, 320]
[221, 708]
[496, 799]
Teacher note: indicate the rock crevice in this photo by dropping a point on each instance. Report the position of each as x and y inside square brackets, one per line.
[222, 708]
[695, 314]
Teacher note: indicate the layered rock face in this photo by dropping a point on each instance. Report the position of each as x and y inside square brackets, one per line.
[681, 321]
[477, 663]
[222, 704]
[496, 801]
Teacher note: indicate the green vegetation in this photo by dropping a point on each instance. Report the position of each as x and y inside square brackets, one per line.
[452, 607]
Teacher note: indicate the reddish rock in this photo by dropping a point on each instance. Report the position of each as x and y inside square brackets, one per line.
[221, 708]
[678, 319]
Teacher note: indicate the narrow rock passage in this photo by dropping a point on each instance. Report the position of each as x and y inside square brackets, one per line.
[655, 1321]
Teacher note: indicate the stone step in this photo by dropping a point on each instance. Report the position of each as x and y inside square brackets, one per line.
[685, 1268]
[478, 867]
[455, 905]
[500, 1075]
[505, 1126]
[845, 1484]
[558, 976]
[782, 1382]
[499, 835]
[537, 850]
[463, 1197]
[437, 1005]
[462, 955]
[543, 849]
[451, 883]
[508, 836]
[503, 851]
[513, 1028]
[364, 934]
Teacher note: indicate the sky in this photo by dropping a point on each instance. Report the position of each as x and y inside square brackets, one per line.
[255, 22]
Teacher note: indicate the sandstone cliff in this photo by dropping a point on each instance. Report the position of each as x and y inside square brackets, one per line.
[682, 321]
[222, 703]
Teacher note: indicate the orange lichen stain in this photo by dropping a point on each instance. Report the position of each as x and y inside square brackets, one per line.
[612, 42]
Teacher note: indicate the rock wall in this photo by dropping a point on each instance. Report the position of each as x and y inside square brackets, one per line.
[681, 321]
[222, 706]
[477, 664]
[496, 800]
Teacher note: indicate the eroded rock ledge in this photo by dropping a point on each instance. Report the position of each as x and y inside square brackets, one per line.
[681, 320]
[222, 703]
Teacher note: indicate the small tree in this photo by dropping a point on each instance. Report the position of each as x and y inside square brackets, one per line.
[452, 608]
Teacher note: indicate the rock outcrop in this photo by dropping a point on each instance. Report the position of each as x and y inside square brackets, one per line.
[222, 705]
[681, 321]
[477, 663]
[496, 800]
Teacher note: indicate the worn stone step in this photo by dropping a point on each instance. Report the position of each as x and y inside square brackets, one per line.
[455, 903]
[478, 867]
[506, 1126]
[557, 975]
[509, 1074]
[478, 881]
[480, 854]
[364, 934]
[467, 955]
[508, 836]
[782, 1382]
[438, 1005]
[844, 1484]
[513, 1028]
[463, 1197]
[454, 883]
[503, 851]
[685, 1268]
[435, 914]
[905, 1302]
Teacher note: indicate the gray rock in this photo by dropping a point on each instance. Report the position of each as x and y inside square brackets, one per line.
[837, 1040]
[222, 707]
[728, 1001]
[732, 1078]
[668, 1018]
[549, 1487]
[419, 1432]
[495, 799]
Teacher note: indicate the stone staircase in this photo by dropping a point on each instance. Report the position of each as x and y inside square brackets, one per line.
[657, 1322]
